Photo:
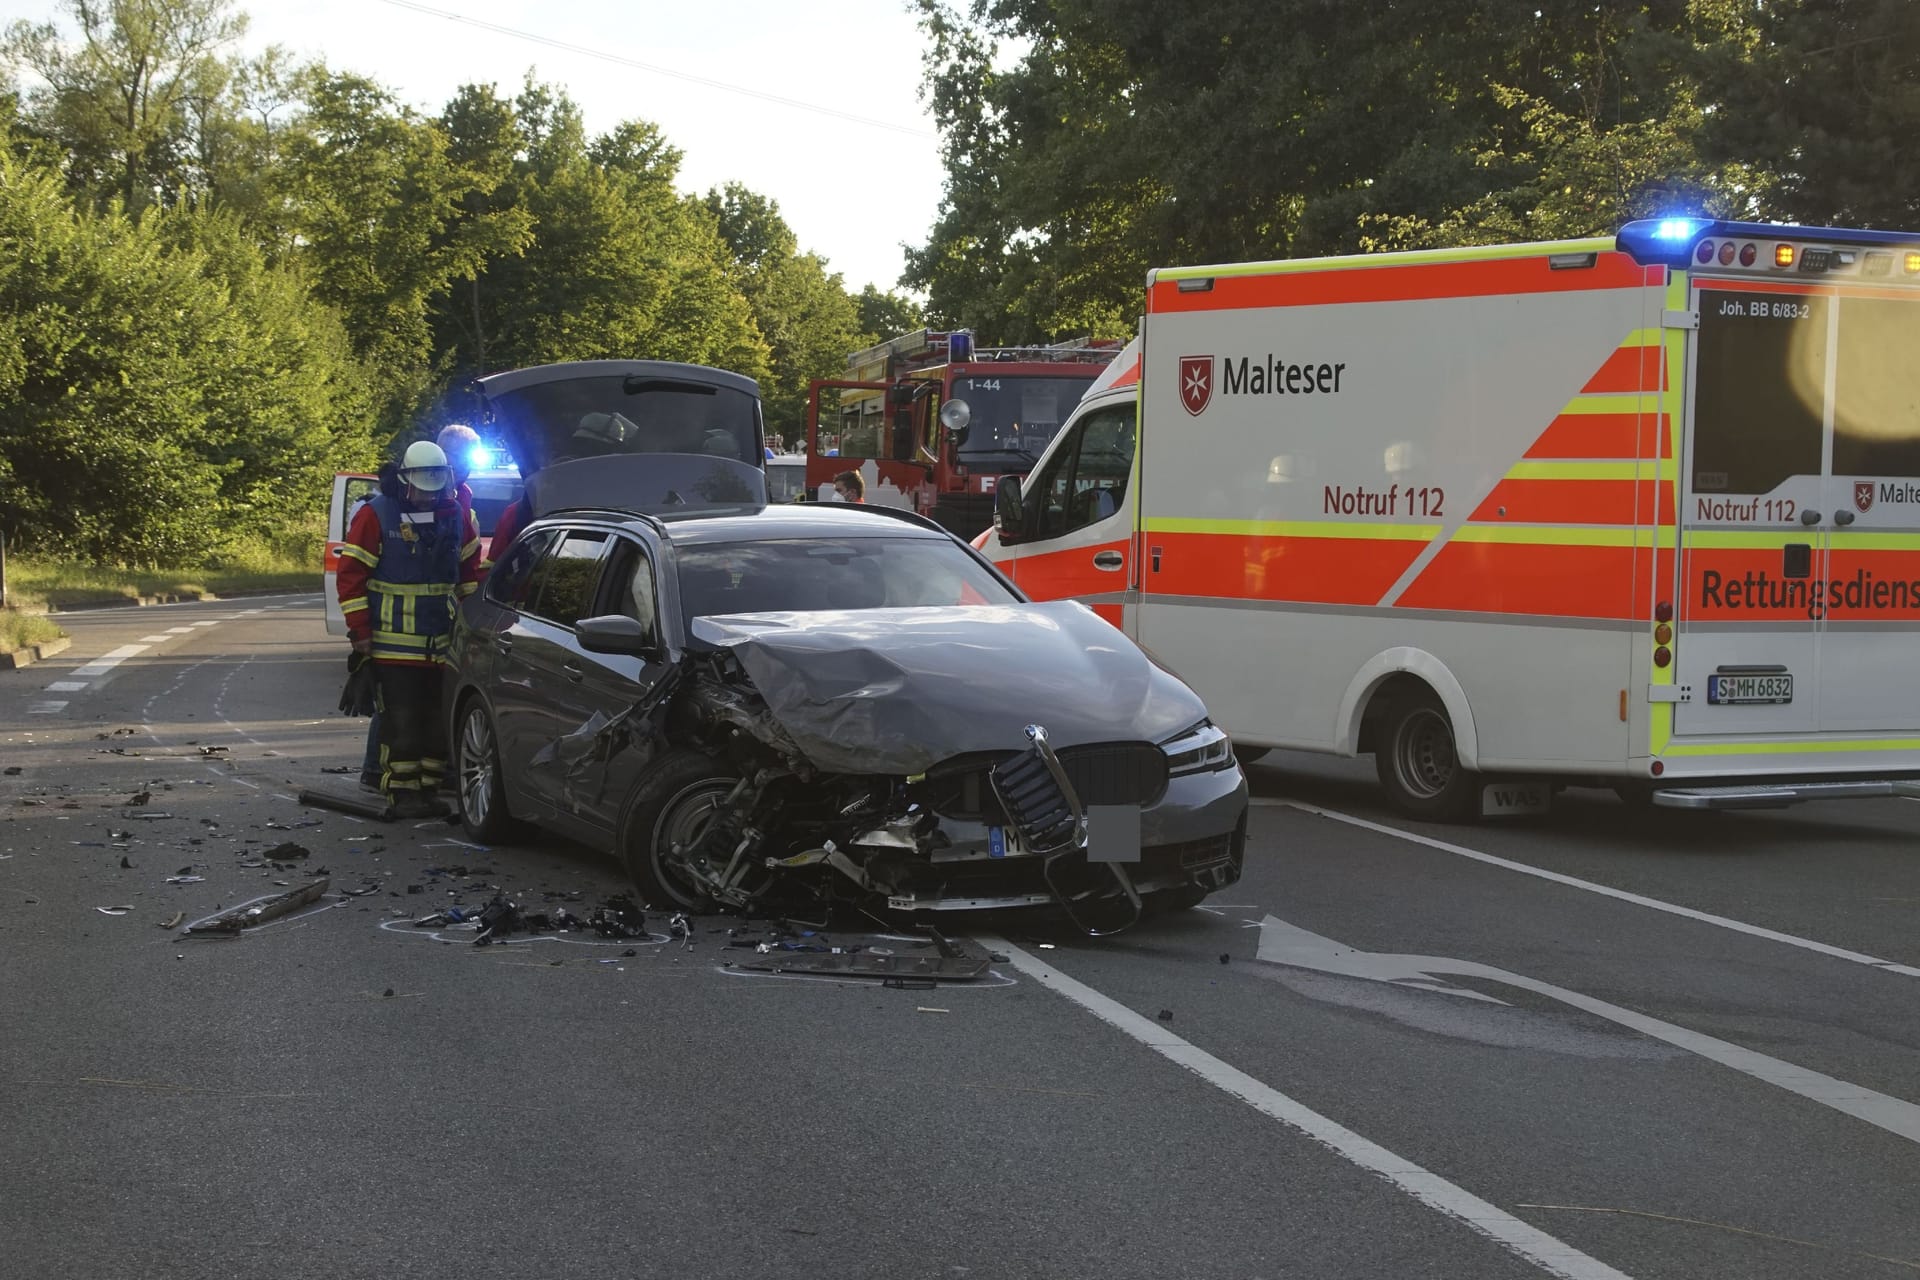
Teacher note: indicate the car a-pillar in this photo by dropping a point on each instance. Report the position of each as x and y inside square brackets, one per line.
[1408, 729]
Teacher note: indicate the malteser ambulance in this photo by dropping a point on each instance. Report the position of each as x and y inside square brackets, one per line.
[1640, 512]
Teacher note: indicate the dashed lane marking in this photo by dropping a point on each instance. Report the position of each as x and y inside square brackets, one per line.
[66, 686]
[1605, 891]
[162, 638]
[46, 708]
[110, 659]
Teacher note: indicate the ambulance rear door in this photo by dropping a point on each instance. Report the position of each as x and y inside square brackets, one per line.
[1799, 605]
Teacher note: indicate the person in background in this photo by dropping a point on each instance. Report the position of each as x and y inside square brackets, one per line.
[389, 486]
[849, 487]
[458, 443]
[403, 568]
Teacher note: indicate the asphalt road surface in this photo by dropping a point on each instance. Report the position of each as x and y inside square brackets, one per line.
[1589, 1045]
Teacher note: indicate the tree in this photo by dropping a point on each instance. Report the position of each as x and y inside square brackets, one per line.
[805, 314]
[121, 100]
[380, 205]
[616, 264]
[1252, 129]
[885, 315]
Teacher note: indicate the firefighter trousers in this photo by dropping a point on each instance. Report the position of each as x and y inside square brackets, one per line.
[413, 752]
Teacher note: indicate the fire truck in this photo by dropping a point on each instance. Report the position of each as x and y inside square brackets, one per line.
[1640, 512]
[930, 421]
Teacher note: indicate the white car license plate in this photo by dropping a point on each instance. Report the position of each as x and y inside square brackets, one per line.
[1728, 690]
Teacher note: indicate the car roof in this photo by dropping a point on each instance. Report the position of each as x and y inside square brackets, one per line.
[780, 520]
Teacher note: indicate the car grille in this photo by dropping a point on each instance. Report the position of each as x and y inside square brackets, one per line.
[1101, 773]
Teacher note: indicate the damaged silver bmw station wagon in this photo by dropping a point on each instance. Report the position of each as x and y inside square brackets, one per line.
[764, 708]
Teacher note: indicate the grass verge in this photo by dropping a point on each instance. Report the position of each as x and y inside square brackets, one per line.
[24, 630]
[283, 562]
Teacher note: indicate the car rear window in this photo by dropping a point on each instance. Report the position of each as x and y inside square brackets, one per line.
[807, 574]
[593, 416]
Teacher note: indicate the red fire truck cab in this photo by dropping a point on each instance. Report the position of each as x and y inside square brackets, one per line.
[930, 422]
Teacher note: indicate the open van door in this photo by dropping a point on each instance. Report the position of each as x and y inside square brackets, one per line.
[350, 489]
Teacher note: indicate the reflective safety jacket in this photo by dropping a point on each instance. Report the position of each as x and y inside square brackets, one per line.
[403, 572]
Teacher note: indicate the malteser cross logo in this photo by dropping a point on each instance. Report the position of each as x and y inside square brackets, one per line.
[1196, 382]
[1863, 495]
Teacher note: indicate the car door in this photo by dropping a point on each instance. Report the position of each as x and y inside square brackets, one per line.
[601, 764]
[490, 654]
[1079, 528]
[567, 582]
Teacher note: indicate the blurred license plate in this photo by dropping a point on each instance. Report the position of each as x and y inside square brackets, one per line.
[1725, 690]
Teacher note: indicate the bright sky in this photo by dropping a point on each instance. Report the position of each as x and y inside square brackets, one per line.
[854, 190]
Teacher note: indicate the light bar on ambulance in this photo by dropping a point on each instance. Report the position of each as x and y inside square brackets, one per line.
[1765, 246]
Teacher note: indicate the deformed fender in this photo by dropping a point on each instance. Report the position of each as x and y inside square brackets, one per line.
[1416, 662]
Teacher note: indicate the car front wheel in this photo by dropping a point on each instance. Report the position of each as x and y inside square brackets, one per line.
[476, 762]
[660, 832]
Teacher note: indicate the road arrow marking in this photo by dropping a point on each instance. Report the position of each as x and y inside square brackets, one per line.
[1287, 944]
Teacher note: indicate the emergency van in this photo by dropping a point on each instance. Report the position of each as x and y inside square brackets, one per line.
[1640, 512]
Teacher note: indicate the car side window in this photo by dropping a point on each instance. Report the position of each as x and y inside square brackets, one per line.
[569, 574]
[509, 582]
[630, 586]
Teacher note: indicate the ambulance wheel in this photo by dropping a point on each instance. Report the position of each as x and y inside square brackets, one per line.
[1419, 766]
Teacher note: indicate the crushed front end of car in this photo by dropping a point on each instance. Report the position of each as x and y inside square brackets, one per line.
[868, 758]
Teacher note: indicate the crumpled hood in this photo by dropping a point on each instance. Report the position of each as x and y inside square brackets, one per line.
[895, 691]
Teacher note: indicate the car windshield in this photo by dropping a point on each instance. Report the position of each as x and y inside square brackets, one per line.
[593, 416]
[802, 574]
[1015, 413]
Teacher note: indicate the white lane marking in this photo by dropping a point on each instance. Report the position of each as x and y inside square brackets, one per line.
[46, 708]
[1606, 891]
[210, 622]
[1536, 1246]
[110, 659]
[178, 631]
[1288, 944]
[162, 638]
[66, 686]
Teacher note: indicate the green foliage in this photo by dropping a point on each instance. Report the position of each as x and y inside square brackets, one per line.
[808, 320]
[885, 315]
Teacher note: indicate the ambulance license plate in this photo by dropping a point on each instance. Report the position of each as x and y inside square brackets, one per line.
[1732, 690]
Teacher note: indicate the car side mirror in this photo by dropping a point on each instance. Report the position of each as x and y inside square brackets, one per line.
[1009, 509]
[616, 633]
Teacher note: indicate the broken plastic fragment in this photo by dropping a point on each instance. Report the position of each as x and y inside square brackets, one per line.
[113, 911]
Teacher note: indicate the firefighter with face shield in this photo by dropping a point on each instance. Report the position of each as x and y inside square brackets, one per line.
[406, 564]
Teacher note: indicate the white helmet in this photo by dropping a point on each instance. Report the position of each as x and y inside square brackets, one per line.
[424, 467]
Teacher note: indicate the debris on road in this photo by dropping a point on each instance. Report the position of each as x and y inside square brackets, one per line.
[13, 771]
[286, 851]
[126, 865]
[259, 910]
[213, 751]
[173, 921]
[140, 798]
[186, 879]
[359, 806]
[113, 911]
[338, 768]
[153, 817]
[784, 949]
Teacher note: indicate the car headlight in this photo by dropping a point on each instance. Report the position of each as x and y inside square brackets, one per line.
[1201, 749]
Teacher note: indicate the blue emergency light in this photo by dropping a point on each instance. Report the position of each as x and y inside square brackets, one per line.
[959, 346]
[1671, 241]
[479, 458]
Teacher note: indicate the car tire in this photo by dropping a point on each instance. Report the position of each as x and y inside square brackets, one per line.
[1419, 765]
[671, 806]
[478, 775]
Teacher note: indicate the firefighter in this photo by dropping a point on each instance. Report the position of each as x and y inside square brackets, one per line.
[406, 564]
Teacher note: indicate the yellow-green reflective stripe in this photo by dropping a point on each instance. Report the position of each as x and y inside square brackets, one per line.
[1615, 402]
[363, 556]
[1820, 746]
[1297, 529]
[1875, 541]
[401, 640]
[1735, 539]
[410, 588]
[1404, 258]
[1557, 535]
[1644, 338]
[1673, 404]
[1664, 469]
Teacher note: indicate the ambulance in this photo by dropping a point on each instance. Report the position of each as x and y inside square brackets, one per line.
[1640, 512]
